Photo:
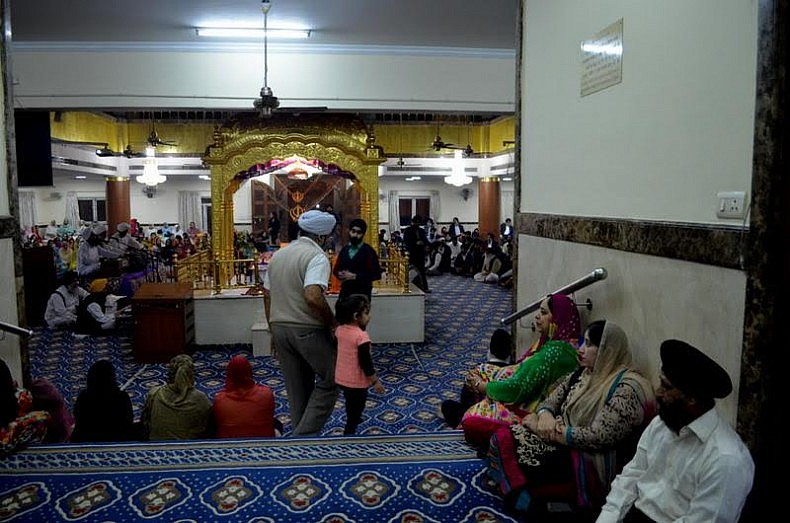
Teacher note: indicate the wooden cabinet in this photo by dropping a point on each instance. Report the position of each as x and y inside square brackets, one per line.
[164, 321]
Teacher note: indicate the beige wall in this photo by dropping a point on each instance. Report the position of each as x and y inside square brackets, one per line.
[9, 343]
[661, 144]
[299, 76]
[658, 146]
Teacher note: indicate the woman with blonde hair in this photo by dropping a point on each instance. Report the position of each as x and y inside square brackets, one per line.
[582, 434]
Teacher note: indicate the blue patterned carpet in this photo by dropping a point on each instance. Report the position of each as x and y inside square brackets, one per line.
[461, 314]
[407, 478]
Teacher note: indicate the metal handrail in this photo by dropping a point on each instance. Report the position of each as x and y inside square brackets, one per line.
[596, 275]
[15, 329]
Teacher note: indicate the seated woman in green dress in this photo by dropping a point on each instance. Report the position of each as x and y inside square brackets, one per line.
[581, 435]
[510, 393]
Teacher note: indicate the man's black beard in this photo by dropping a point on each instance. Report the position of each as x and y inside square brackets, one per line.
[355, 241]
[673, 415]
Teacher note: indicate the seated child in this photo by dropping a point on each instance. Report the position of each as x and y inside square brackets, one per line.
[500, 354]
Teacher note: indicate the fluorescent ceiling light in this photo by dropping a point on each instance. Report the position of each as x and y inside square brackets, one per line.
[249, 32]
[80, 177]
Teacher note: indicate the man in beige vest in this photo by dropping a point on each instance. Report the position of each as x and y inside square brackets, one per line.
[302, 323]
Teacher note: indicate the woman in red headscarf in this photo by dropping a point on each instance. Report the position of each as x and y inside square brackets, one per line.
[510, 393]
[244, 409]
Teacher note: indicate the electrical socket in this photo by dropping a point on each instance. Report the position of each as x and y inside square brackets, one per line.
[731, 204]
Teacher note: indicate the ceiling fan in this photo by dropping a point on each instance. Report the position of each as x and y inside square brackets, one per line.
[102, 149]
[154, 140]
[129, 152]
[438, 144]
[468, 151]
[268, 104]
[400, 164]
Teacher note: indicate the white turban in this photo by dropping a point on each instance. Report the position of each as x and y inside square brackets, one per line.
[122, 227]
[317, 222]
[99, 229]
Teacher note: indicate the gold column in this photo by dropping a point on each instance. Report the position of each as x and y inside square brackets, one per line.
[118, 206]
[488, 205]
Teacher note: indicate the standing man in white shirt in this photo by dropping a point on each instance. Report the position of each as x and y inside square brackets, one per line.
[690, 465]
[302, 323]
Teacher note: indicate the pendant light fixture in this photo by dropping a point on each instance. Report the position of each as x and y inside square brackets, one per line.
[267, 103]
[150, 176]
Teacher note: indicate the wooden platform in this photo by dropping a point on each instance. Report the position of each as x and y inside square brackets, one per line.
[229, 317]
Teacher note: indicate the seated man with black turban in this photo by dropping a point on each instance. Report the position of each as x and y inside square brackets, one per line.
[690, 464]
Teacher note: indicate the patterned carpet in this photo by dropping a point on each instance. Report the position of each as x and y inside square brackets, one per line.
[461, 315]
[406, 478]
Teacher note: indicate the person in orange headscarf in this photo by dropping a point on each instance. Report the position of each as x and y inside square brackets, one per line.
[244, 409]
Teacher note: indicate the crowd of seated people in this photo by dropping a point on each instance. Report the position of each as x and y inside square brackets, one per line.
[581, 435]
[121, 263]
[454, 250]
[559, 424]
[93, 311]
[89, 251]
[176, 410]
[570, 433]
[505, 395]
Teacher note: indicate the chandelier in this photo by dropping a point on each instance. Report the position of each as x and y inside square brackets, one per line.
[267, 103]
[150, 176]
[458, 177]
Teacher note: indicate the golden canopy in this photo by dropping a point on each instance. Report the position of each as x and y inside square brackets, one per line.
[340, 144]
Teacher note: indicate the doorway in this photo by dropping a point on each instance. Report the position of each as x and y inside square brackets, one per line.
[411, 206]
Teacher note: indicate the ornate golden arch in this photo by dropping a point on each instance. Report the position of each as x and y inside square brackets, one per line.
[343, 141]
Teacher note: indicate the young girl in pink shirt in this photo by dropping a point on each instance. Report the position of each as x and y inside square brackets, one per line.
[354, 371]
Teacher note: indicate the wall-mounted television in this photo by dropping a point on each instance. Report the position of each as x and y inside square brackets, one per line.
[33, 148]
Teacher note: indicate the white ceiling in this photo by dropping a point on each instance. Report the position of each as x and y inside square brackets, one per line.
[489, 24]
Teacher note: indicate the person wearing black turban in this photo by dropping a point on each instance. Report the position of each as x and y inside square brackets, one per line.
[690, 464]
